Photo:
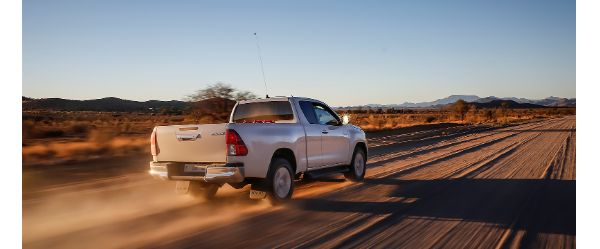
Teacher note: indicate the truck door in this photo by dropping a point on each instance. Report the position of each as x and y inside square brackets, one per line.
[313, 135]
[334, 136]
[335, 139]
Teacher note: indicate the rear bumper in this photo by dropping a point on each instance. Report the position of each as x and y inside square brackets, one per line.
[220, 173]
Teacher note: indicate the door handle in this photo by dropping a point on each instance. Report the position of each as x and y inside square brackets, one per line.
[324, 132]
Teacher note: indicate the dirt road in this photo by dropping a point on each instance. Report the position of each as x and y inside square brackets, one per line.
[474, 187]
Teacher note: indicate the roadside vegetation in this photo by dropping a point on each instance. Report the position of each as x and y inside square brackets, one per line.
[459, 113]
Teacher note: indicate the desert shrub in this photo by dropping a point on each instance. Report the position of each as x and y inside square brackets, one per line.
[216, 100]
[488, 114]
[125, 127]
[206, 119]
[79, 128]
[37, 130]
[460, 108]
[102, 137]
[28, 129]
[53, 132]
[41, 154]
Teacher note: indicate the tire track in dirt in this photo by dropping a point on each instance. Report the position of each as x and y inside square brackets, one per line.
[445, 244]
[508, 238]
[454, 149]
[461, 144]
[375, 142]
[460, 171]
[562, 161]
[510, 151]
[533, 192]
[448, 141]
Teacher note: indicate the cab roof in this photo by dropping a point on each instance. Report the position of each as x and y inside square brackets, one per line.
[276, 98]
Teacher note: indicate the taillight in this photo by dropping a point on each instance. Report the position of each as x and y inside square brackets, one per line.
[235, 144]
[153, 143]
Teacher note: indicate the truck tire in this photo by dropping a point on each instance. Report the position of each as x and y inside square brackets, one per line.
[204, 190]
[280, 181]
[358, 166]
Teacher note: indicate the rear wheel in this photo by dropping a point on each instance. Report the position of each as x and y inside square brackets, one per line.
[358, 166]
[203, 190]
[281, 181]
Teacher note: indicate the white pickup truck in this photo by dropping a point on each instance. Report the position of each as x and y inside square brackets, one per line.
[268, 143]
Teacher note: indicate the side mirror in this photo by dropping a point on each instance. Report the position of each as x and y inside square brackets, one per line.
[345, 119]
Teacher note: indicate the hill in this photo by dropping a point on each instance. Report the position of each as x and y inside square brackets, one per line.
[548, 102]
[439, 102]
[506, 103]
[109, 104]
[112, 104]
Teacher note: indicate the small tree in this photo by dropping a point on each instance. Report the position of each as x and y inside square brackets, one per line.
[504, 110]
[244, 95]
[214, 103]
[221, 90]
[489, 114]
[461, 108]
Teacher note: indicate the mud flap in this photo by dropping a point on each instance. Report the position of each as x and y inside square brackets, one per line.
[257, 195]
[182, 187]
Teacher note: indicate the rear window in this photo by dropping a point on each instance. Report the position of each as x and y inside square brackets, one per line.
[263, 112]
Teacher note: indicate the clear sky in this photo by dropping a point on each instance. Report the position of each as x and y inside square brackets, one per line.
[342, 52]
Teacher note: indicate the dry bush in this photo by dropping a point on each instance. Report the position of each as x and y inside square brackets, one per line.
[28, 129]
[380, 120]
[80, 128]
[57, 151]
[206, 119]
[102, 137]
[33, 130]
[51, 136]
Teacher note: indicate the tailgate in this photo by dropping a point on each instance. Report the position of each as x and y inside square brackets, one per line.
[191, 143]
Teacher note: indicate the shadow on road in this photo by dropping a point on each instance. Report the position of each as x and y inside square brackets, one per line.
[545, 130]
[537, 206]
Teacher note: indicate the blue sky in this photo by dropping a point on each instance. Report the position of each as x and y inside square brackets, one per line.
[342, 52]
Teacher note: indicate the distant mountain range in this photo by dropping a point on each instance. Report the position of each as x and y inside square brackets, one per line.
[111, 104]
[546, 102]
[504, 103]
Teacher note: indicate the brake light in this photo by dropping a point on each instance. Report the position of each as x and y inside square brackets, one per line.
[235, 144]
[153, 143]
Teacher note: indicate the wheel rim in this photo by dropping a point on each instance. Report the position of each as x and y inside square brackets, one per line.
[282, 182]
[359, 164]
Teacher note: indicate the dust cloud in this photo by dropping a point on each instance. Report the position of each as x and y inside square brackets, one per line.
[126, 214]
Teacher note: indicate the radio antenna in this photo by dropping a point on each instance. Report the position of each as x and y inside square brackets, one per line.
[262, 68]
